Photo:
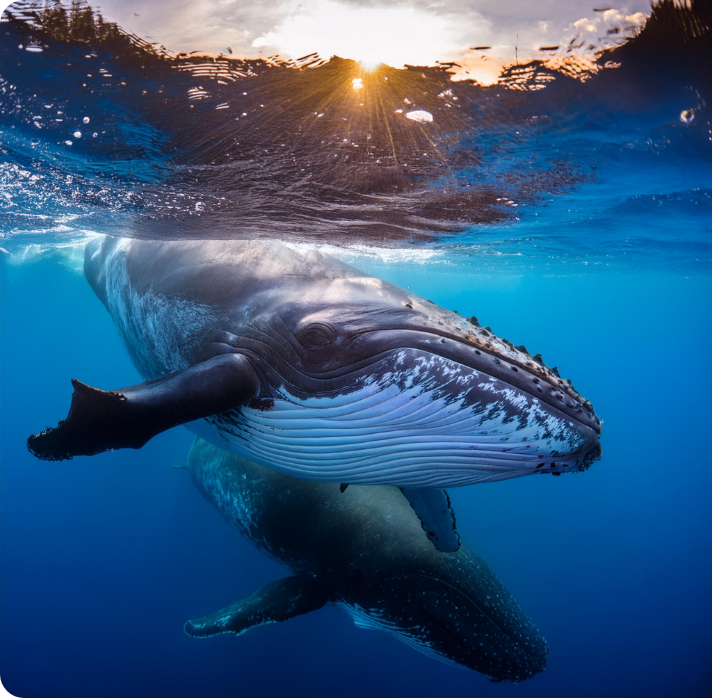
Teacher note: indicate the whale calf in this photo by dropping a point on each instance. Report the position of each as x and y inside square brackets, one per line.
[302, 363]
[365, 551]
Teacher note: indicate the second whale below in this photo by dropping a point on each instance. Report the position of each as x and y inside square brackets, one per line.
[364, 551]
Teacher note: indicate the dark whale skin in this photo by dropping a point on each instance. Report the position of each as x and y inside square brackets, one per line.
[368, 550]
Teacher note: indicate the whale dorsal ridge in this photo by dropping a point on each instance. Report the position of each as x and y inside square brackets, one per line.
[273, 603]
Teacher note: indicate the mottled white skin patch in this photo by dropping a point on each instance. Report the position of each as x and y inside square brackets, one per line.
[159, 332]
[235, 504]
[412, 636]
[401, 428]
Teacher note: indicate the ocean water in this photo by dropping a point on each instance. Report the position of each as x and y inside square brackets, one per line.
[603, 266]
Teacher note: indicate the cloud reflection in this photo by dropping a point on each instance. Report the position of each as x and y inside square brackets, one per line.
[395, 36]
[416, 32]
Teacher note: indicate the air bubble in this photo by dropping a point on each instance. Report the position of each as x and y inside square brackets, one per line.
[420, 116]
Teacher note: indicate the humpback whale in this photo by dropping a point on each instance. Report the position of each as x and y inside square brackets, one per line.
[302, 363]
[364, 551]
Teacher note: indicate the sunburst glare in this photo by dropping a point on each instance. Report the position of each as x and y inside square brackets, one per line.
[395, 36]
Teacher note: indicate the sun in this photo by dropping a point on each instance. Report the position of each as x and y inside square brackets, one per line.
[395, 36]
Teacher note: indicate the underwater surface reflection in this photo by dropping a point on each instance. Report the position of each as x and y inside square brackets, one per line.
[103, 132]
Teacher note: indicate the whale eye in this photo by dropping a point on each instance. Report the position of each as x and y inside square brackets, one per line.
[318, 334]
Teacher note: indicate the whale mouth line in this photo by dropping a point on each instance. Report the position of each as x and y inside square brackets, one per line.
[479, 430]
[423, 340]
[521, 646]
[539, 372]
[377, 357]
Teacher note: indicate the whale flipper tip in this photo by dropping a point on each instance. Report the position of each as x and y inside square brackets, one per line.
[100, 420]
[77, 434]
[273, 603]
[432, 506]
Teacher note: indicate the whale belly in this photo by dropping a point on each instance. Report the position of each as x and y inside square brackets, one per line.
[384, 434]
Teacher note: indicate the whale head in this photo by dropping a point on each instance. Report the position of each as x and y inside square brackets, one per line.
[424, 387]
[457, 612]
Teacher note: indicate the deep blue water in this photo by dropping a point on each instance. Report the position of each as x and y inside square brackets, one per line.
[585, 235]
[103, 559]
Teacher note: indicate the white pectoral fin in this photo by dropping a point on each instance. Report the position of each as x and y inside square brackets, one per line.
[432, 506]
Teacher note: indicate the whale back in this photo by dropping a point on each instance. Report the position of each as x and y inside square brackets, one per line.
[210, 272]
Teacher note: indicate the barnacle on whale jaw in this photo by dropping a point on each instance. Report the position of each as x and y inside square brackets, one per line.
[540, 380]
[519, 356]
[589, 459]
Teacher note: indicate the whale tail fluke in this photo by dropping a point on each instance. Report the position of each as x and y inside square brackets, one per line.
[273, 603]
[100, 420]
